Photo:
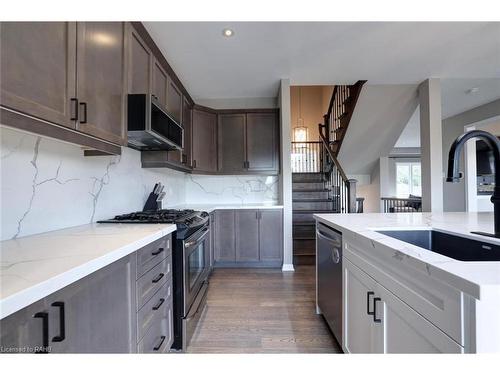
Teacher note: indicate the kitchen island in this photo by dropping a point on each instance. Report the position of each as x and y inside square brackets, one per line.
[398, 297]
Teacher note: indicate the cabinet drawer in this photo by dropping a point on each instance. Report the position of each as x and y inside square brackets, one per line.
[153, 309]
[158, 337]
[153, 280]
[151, 254]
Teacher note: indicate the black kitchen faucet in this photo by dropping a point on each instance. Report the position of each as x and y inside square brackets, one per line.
[454, 174]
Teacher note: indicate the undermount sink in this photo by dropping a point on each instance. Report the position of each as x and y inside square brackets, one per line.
[456, 247]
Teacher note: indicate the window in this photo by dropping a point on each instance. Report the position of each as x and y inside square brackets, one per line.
[408, 180]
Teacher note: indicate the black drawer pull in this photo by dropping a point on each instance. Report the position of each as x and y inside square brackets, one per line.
[368, 294]
[62, 322]
[158, 278]
[375, 310]
[157, 251]
[157, 347]
[45, 331]
[160, 302]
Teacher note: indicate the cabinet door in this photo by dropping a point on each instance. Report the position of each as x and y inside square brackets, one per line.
[140, 61]
[403, 330]
[187, 123]
[23, 331]
[101, 80]
[99, 311]
[159, 83]
[231, 137]
[262, 144]
[37, 66]
[360, 333]
[174, 100]
[271, 235]
[247, 235]
[224, 236]
[204, 141]
[184, 156]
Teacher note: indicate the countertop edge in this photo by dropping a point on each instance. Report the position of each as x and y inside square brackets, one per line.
[25, 297]
[467, 286]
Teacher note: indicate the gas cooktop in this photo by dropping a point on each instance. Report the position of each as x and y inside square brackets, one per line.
[187, 221]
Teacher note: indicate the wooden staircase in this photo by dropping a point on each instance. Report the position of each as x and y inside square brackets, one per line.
[324, 188]
[310, 196]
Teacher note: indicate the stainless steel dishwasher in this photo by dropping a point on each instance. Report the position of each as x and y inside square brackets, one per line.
[329, 277]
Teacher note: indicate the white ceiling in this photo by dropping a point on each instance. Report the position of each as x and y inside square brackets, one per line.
[251, 63]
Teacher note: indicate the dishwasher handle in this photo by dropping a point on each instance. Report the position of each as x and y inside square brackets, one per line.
[326, 238]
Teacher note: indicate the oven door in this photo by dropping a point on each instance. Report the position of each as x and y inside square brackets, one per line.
[196, 265]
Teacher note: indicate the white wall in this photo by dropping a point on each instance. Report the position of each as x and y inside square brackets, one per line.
[454, 194]
[285, 183]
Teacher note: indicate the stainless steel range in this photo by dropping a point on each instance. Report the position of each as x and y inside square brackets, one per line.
[190, 264]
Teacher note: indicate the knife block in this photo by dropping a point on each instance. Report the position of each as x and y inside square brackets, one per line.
[151, 204]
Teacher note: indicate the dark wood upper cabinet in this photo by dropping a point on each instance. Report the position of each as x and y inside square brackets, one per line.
[159, 83]
[140, 60]
[187, 123]
[38, 62]
[174, 100]
[262, 143]
[101, 79]
[231, 141]
[204, 141]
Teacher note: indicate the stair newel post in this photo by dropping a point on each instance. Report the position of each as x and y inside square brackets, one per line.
[352, 196]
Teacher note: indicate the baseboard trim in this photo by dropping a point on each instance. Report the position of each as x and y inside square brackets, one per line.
[287, 268]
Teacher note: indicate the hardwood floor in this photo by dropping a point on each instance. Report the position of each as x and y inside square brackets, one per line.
[262, 311]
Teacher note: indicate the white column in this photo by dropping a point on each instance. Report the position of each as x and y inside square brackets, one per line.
[286, 174]
[431, 145]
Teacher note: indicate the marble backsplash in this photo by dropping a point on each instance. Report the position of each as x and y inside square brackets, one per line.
[202, 189]
[49, 185]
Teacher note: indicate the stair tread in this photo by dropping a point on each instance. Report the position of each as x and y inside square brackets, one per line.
[309, 211]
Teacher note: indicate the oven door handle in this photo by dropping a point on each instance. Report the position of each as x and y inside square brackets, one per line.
[191, 243]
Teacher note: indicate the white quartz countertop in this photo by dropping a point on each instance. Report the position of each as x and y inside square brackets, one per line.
[35, 266]
[468, 277]
[228, 206]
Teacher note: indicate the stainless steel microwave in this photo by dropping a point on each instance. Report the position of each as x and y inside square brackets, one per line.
[150, 126]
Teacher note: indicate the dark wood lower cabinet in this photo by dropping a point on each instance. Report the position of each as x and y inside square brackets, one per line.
[248, 238]
[247, 235]
[98, 314]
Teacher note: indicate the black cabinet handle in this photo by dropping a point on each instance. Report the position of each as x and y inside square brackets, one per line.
[160, 302]
[157, 347]
[248, 164]
[62, 322]
[157, 251]
[74, 109]
[83, 105]
[194, 163]
[45, 331]
[158, 278]
[368, 294]
[375, 300]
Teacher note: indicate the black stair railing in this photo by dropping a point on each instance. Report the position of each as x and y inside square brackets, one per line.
[332, 132]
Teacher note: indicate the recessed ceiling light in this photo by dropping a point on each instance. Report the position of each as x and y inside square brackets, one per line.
[472, 90]
[227, 33]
